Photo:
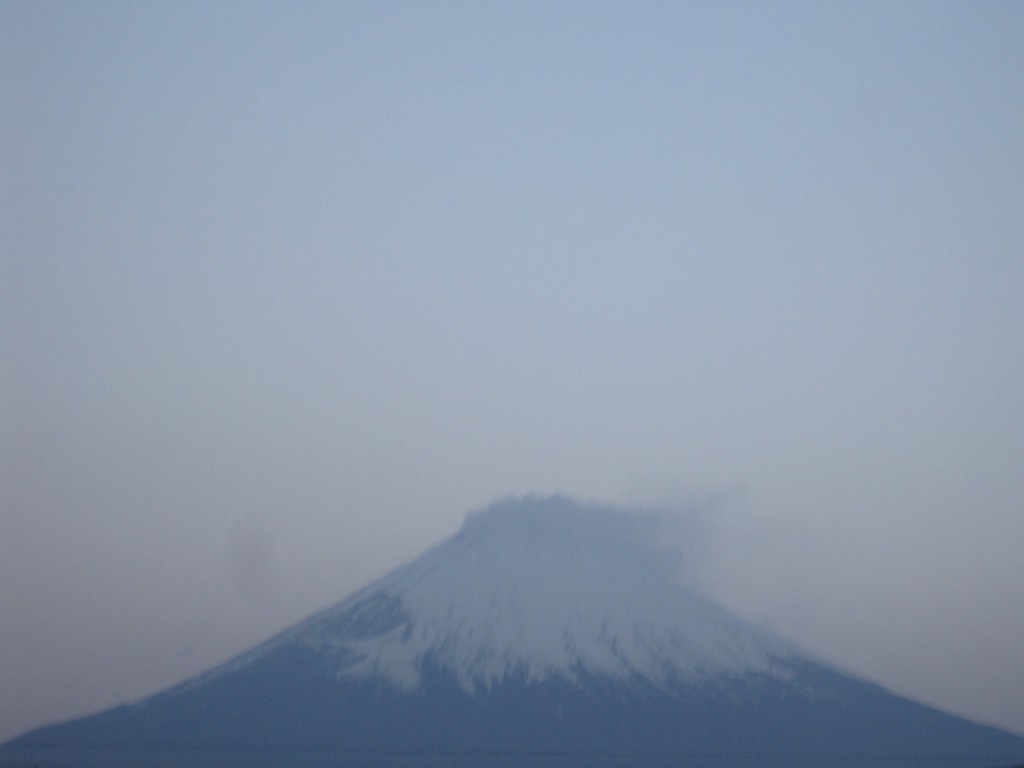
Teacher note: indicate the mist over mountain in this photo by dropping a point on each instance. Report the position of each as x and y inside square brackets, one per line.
[543, 627]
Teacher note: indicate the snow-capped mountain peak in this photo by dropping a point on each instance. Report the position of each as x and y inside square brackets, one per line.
[537, 590]
[543, 628]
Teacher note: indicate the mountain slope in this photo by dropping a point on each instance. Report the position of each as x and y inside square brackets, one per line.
[542, 627]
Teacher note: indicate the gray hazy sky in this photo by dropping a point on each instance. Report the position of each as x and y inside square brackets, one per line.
[286, 289]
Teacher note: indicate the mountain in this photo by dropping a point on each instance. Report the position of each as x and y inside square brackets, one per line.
[542, 628]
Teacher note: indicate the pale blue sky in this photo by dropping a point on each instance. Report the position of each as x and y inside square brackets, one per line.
[289, 288]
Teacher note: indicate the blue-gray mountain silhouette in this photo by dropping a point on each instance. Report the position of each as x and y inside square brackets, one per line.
[544, 627]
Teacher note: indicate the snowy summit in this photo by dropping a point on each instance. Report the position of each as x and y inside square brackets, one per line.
[534, 591]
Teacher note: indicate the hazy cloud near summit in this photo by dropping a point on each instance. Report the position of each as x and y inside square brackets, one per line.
[680, 532]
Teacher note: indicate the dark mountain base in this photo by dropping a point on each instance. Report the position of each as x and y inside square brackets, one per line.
[813, 713]
[56, 758]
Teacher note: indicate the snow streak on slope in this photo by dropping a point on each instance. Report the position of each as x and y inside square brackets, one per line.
[539, 588]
